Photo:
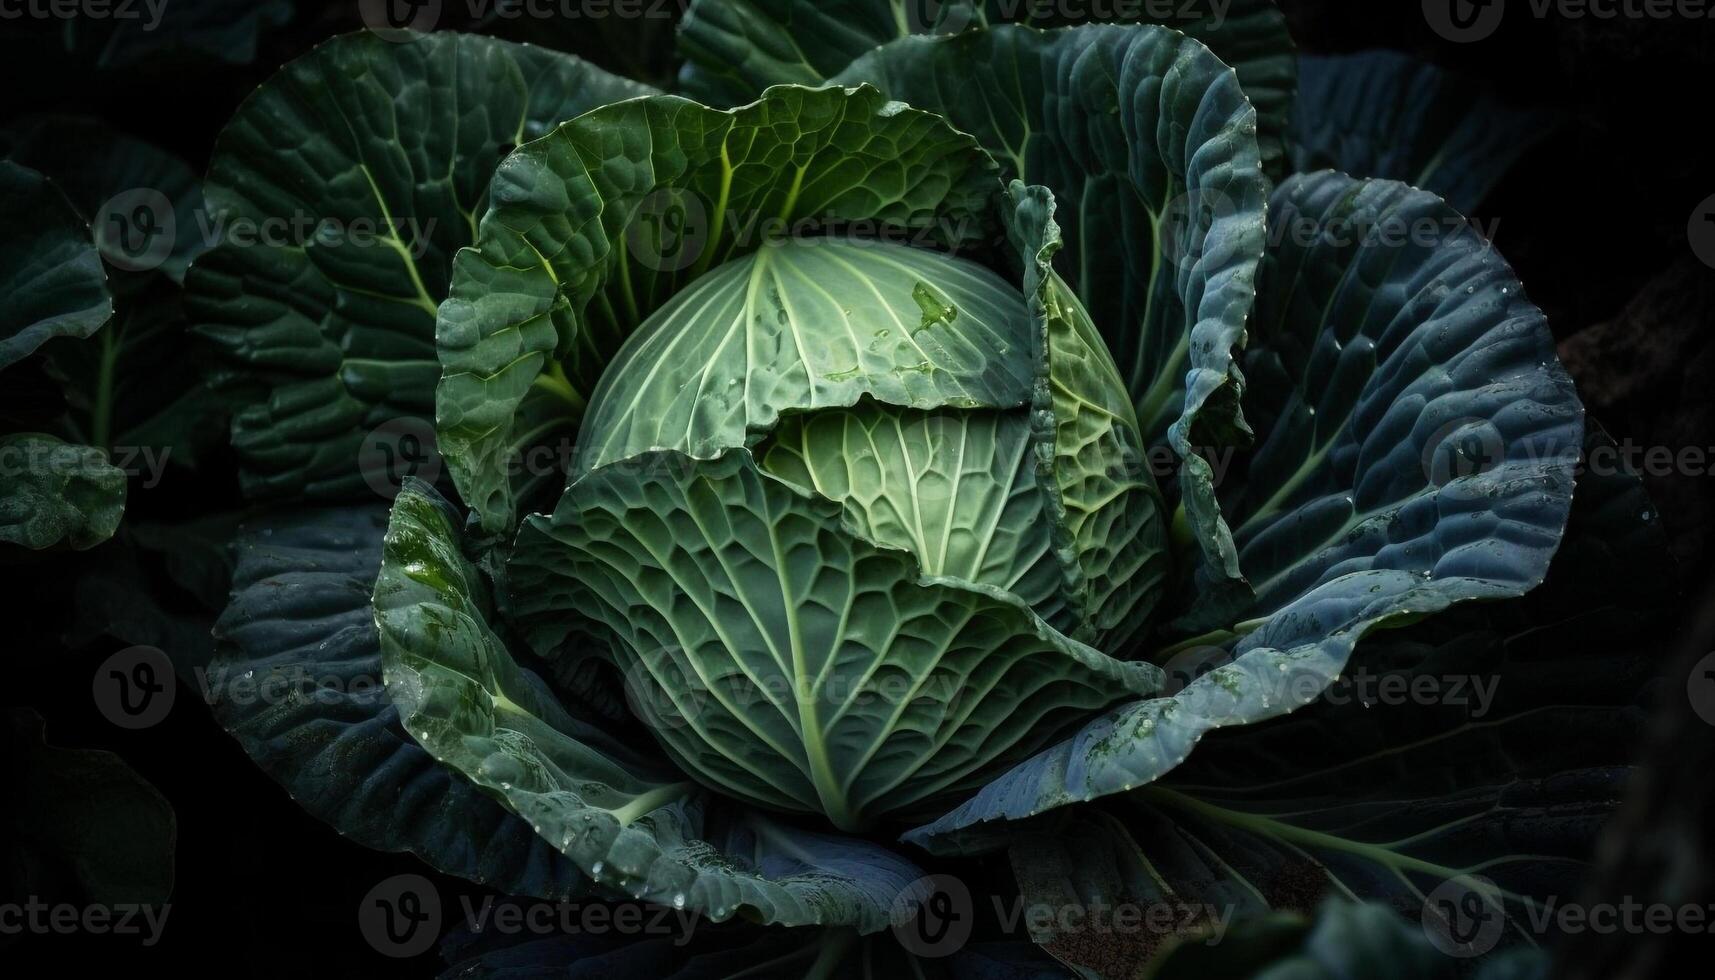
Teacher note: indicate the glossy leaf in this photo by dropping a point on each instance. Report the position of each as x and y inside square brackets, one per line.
[1387, 114]
[56, 491]
[341, 190]
[802, 325]
[297, 680]
[790, 662]
[1422, 438]
[1106, 507]
[97, 167]
[50, 270]
[1150, 146]
[1492, 739]
[733, 49]
[597, 225]
[629, 820]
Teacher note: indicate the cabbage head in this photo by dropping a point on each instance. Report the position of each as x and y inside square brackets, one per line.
[852, 465]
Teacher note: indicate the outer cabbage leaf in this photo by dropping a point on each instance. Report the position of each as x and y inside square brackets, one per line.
[55, 491]
[1387, 114]
[297, 680]
[158, 584]
[1498, 747]
[1150, 146]
[792, 663]
[93, 165]
[1342, 940]
[1366, 506]
[141, 383]
[143, 387]
[1249, 35]
[342, 188]
[625, 818]
[733, 49]
[202, 34]
[50, 270]
[598, 224]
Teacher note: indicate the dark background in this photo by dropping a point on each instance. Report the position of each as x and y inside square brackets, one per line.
[1594, 220]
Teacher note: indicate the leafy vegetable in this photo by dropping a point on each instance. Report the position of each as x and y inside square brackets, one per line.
[49, 269]
[1385, 114]
[333, 259]
[855, 454]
